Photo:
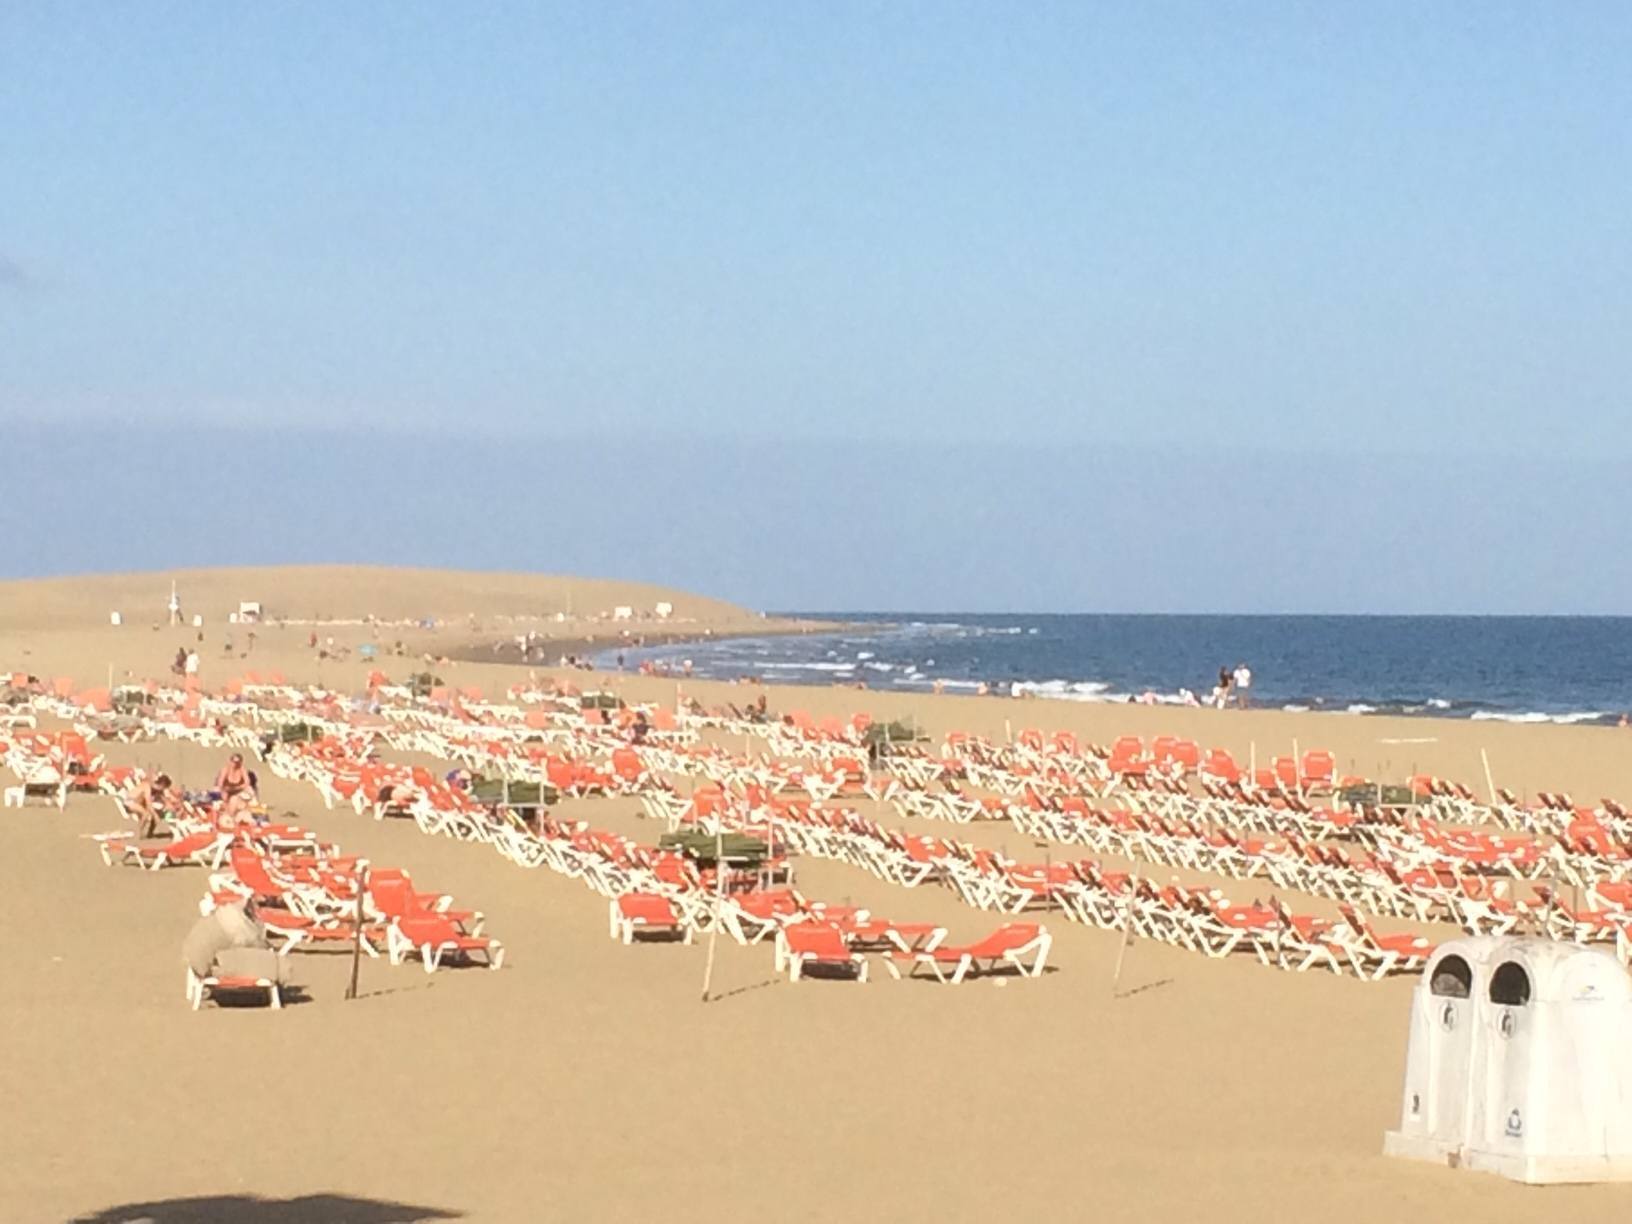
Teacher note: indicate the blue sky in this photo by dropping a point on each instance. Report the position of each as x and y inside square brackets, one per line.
[1237, 247]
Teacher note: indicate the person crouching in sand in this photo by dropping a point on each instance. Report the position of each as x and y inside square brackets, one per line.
[153, 802]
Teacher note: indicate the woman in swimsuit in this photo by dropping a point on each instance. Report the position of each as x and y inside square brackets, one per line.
[234, 778]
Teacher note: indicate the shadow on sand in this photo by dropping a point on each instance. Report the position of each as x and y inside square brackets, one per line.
[720, 996]
[251, 1209]
[288, 995]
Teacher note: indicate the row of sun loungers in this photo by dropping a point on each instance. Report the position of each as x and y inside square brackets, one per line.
[305, 894]
[988, 886]
[1413, 868]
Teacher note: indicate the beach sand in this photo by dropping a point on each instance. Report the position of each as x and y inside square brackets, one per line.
[587, 1081]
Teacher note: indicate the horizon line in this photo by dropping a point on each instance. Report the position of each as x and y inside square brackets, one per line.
[917, 613]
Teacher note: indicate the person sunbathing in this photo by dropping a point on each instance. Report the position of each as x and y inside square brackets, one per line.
[234, 778]
[240, 808]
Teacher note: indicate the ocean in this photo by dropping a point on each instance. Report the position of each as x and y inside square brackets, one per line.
[1519, 669]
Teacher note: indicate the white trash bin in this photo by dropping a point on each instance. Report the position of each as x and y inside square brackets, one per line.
[1520, 1062]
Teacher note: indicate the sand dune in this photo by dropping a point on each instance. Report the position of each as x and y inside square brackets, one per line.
[586, 1081]
[329, 592]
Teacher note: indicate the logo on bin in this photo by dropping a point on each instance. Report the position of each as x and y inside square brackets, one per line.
[1508, 1024]
[1447, 1017]
[1515, 1125]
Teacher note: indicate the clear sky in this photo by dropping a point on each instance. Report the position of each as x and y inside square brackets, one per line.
[1248, 250]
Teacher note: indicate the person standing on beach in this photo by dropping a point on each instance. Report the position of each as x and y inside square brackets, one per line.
[1242, 685]
[1221, 692]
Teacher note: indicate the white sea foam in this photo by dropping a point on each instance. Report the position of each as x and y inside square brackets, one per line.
[818, 667]
[1536, 716]
[1361, 707]
[1067, 690]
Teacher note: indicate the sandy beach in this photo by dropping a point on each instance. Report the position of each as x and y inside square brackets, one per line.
[857, 613]
[586, 1081]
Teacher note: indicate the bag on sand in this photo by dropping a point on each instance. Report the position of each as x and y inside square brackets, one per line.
[222, 929]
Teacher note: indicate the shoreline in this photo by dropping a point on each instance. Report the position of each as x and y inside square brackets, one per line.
[589, 646]
[862, 672]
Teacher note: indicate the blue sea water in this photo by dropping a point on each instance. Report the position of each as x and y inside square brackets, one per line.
[1527, 669]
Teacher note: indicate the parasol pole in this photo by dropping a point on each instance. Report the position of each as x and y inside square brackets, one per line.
[357, 934]
[719, 903]
[1127, 937]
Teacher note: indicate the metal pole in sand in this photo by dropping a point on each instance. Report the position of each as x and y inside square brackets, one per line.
[768, 872]
[719, 903]
[1490, 781]
[1127, 938]
[1297, 766]
[357, 934]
